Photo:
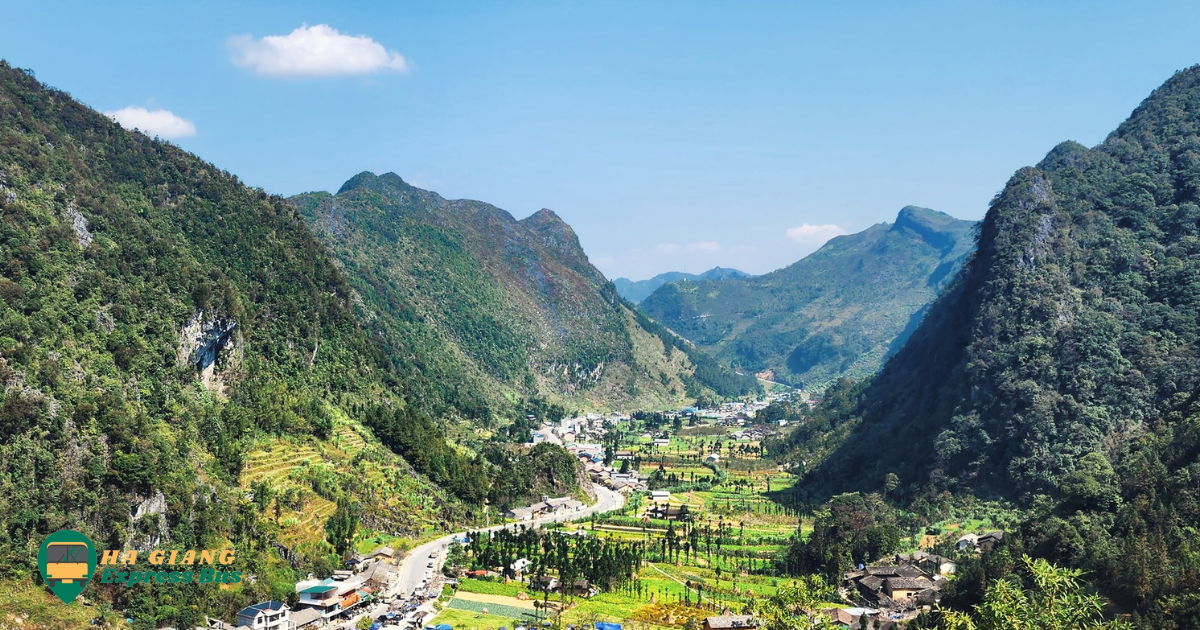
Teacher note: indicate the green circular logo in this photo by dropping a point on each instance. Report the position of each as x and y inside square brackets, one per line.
[67, 561]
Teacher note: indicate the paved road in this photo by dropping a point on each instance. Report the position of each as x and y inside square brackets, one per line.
[415, 565]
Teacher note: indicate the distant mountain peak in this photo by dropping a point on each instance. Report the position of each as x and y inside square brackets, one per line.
[554, 232]
[936, 228]
[370, 181]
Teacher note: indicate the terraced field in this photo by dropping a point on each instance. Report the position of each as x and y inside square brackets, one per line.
[311, 472]
[277, 461]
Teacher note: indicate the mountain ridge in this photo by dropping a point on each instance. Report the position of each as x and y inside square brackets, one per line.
[637, 290]
[513, 309]
[838, 311]
[1058, 370]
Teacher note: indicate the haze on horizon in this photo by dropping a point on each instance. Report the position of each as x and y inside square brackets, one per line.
[674, 136]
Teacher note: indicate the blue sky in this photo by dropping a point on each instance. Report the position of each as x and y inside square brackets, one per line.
[671, 135]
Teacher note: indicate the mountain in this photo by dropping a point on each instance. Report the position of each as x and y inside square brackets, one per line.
[637, 290]
[183, 367]
[1059, 369]
[839, 311]
[486, 309]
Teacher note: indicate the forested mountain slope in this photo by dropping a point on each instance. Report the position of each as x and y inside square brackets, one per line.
[487, 309]
[173, 343]
[1062, 363]
[837, 312]
[637, 290]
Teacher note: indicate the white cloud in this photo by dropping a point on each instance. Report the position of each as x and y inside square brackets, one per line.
[159, 122]
[315, 51]
[808, 233]
[706, 247]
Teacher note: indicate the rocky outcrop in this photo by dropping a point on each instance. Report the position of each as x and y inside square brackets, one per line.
[202, 340]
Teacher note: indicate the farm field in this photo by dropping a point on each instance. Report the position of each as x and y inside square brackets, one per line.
[710, 536]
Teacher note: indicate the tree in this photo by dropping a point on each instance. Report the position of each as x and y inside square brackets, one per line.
[890, 483]
[341, 526]
[1055, 599]
[794, 606]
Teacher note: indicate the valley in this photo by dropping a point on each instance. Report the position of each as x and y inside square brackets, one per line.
[389, 408]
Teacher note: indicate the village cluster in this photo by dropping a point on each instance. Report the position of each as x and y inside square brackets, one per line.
[882, 594]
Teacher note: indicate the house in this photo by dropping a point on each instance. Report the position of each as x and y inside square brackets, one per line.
[306, 617]
[902, 586]
[660, 495]
[979, 542]
[901, 589]
[332, 597]
[852, 617]
[265, 616]
[712, 458]
[662, 442]
[382, 552]
[520, 514]
[544, 583]
[322, 598]
[520, 565]
[674, 513]
[930, 563]
[730, 622]
[381, 575]
[581, 588]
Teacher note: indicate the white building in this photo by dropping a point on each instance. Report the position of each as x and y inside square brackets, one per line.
[265, 616]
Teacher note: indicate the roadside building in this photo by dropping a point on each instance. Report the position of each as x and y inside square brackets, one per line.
[265, 616]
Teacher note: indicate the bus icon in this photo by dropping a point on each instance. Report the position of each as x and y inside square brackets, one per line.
[66, 563]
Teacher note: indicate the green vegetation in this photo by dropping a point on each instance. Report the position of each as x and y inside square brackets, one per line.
[479, 310]
[181, 366]
[1054, 600]
[839, 311]
[637, 290]
[1058, 368]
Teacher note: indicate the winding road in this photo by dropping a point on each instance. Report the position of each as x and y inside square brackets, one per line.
[413, 567]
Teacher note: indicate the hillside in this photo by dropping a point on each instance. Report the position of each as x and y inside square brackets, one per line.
[488, 311]
[182, 366]
[837, 312]
[1060, 368]
[637, 290]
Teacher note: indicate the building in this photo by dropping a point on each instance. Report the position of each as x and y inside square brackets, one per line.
[322, 598]
[730, 622]
[265, 616]
[382, 552]
[902, 589]
[930, 563]
[660, 495]
[520, 514]
[544, 583]
[382, 575]
[980, 542]
[902, 586]
[305, 618]
[332, 596]
[662, 442]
